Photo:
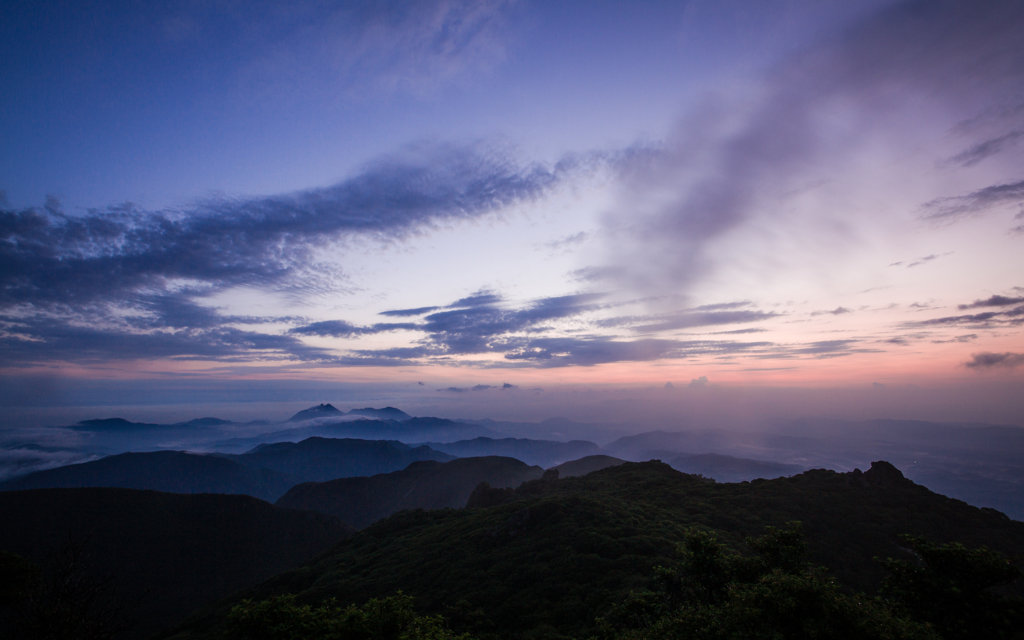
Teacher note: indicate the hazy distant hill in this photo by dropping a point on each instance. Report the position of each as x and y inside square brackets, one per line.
[114, 424]
[321, 459]
[586, 465]
[731, 469]
[562, 552]
[122, 425]
[117, 435]
[424, 485]
[170, 471]
[545, 453]
[181, 551]
[387, 413]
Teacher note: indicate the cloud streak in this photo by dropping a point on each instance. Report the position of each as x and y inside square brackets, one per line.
[989, 360]
[745, 161]
[388, 47]
[975, 203]
[132, 272]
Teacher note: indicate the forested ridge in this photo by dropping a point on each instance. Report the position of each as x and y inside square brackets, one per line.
[552, 558]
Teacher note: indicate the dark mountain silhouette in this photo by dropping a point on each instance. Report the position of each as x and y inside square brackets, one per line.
[546, 453]
[319, 411]
[730, 469]
[423, 485]
[170, 471]
[322, 459]
[176, 551]
[387, 413]
[561, 552]
[586, 465]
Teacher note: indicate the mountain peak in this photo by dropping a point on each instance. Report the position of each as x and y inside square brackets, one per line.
[319, 411]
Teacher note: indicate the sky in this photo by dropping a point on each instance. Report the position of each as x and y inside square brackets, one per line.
[514, 210]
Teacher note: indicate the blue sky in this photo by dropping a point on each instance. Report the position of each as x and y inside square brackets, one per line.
[547, 195]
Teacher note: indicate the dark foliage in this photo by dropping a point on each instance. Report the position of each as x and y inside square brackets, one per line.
[712, 593]
[562, 552]
[183, 550]
[66, 601]
[953, 588]
[282, 618]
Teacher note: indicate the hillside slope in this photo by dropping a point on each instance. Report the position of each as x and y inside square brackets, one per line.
[321, 459]
[586, 465]
[169, 471]
[561, 552]
[424, 485]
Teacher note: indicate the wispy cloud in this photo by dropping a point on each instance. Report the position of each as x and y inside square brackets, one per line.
[746, 161]
[380, 48]
[702, 316]
[975, 203]
[994, 301]
[1011, 317]
[987, 148]
[838, 311]
[52, 257]
[139, 274]
[342, 329]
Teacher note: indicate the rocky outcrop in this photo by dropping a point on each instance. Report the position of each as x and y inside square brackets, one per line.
[881, 474]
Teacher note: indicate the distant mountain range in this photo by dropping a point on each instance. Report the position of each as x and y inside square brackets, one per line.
[422, 485]
[981, 464]
[266, 472]
[174, 552]
[410, 430]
